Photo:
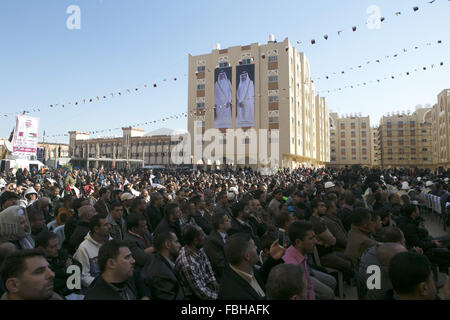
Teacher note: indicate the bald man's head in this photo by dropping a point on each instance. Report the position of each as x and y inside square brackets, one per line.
[85, 213]
[387, 251]
[43, 202]
[6, 248]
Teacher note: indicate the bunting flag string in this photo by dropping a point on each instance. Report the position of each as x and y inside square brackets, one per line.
[390, 77]
[355, 28]
[86, 100]
[380, 60]
[198, 112]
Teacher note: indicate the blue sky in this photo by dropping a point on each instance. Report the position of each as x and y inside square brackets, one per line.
[124, 44]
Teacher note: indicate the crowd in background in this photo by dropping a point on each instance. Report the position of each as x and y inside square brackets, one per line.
[178, 234]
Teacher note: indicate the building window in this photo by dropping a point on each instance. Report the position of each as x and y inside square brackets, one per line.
[201, 87]
[246, 61]
[352, 125]
[342, 134]
[343, 143]
[200, 105]
[274, 119]
[353, 158]
[273, 99]
[201, 68]
[273, 78]
[424, 149]
[223, 64]
[389, 133]
[342, 126]
[273, 58]
[424, 140]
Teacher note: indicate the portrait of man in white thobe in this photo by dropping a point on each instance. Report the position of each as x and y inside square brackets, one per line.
[222, 101]
[245, 99]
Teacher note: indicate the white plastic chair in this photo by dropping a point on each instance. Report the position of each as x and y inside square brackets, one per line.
[59, 231]
[52, 225]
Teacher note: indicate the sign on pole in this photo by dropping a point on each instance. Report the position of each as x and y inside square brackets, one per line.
[25, 139]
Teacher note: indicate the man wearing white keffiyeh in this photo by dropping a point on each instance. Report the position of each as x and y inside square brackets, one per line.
[222, 102]
[15, 227]
[245, 96]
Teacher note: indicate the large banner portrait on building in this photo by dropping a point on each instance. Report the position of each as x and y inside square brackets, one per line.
[223, 98]
[25, 138]
[245, 96]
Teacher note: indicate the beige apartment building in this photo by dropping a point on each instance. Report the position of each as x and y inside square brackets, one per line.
[351, 141]
[134, 149]
[284, 100]
[441, 130]
[406, 139]
[376, 152]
